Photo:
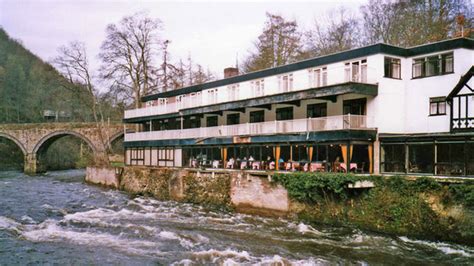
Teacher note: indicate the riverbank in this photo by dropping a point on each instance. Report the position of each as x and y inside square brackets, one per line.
[422, 208]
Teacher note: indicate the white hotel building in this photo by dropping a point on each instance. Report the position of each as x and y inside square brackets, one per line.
[375, 109]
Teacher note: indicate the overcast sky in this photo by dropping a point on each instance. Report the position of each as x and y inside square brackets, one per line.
[213, 32]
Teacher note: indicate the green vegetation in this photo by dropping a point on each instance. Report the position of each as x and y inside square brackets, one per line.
[421, 208]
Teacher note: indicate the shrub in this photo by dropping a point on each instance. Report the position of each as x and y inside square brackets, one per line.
[314, 187]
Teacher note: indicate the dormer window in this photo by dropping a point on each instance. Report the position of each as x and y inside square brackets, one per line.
[318, 77]
[285, 83]
[258, 87]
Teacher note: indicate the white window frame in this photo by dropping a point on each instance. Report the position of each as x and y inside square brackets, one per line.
[258, 87]
[212, 95]
[233, 92]
[318, 77]
[285, 82]
[356, 71]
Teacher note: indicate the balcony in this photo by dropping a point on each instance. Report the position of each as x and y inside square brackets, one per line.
[333, 78]
[265, 128]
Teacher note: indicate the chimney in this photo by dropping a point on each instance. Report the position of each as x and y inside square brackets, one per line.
[231, 72]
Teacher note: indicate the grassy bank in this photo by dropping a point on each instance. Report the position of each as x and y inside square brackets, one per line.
[422, 208]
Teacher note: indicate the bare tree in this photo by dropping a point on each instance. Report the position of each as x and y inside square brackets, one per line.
[337, 31]
[279, 44]
[72, 63]
[409, 23]
[128, 54]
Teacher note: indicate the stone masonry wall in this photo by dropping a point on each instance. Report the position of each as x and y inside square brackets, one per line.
[237, 190]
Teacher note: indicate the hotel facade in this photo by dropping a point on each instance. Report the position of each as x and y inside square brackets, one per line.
[376, 109]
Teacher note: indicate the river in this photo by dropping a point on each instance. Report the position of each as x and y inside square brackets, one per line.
[56, 218]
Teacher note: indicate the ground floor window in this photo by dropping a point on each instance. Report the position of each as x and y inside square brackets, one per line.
[393, 158]
[446, 158]
[420, 158]
[150, 156]
[450, 159]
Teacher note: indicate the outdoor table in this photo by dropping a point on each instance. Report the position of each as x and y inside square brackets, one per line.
[343, 166]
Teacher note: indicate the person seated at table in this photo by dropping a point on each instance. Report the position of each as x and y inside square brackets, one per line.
[215, 164]
[281, 163]
[243, 164]
[336, 166]
[251, 159]
[271, 165]
[305, 167]
[288, 166]
[256, 166]
[230, 163]
[295, 166]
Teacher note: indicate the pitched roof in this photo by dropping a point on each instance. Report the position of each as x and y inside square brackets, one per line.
[462, 82]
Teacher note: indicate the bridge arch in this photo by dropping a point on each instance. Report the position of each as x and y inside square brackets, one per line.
[115, 137]
[16, 141]
[53, 136]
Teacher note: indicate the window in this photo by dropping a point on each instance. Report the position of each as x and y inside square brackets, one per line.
[317, 110]
[420, 158]
[392, 158]
[233, 119]
[137, 156]
[354, 107]
[211, 121]
[318, 77]
[450, 159]
[258, 87]
[438, 106]
[212, 95]
[192, 122]
[285, 113]
[392, 68]
[286, 83]
[356, 71]
[181, 98]
[257, 116]
[447, 63]
[433, 65]
[162, 101]
[233, 92]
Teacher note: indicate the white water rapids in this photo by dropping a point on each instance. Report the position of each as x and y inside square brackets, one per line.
[58, 219]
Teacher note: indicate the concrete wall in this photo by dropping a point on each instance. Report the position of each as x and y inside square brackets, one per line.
[102, 176]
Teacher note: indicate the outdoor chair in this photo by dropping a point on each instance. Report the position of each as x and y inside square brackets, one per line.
[361, 168]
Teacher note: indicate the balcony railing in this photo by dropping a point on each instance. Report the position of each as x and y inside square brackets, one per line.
[334, 76]
[264, 128]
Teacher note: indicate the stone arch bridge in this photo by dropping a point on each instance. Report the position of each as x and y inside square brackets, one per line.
[32, 139]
